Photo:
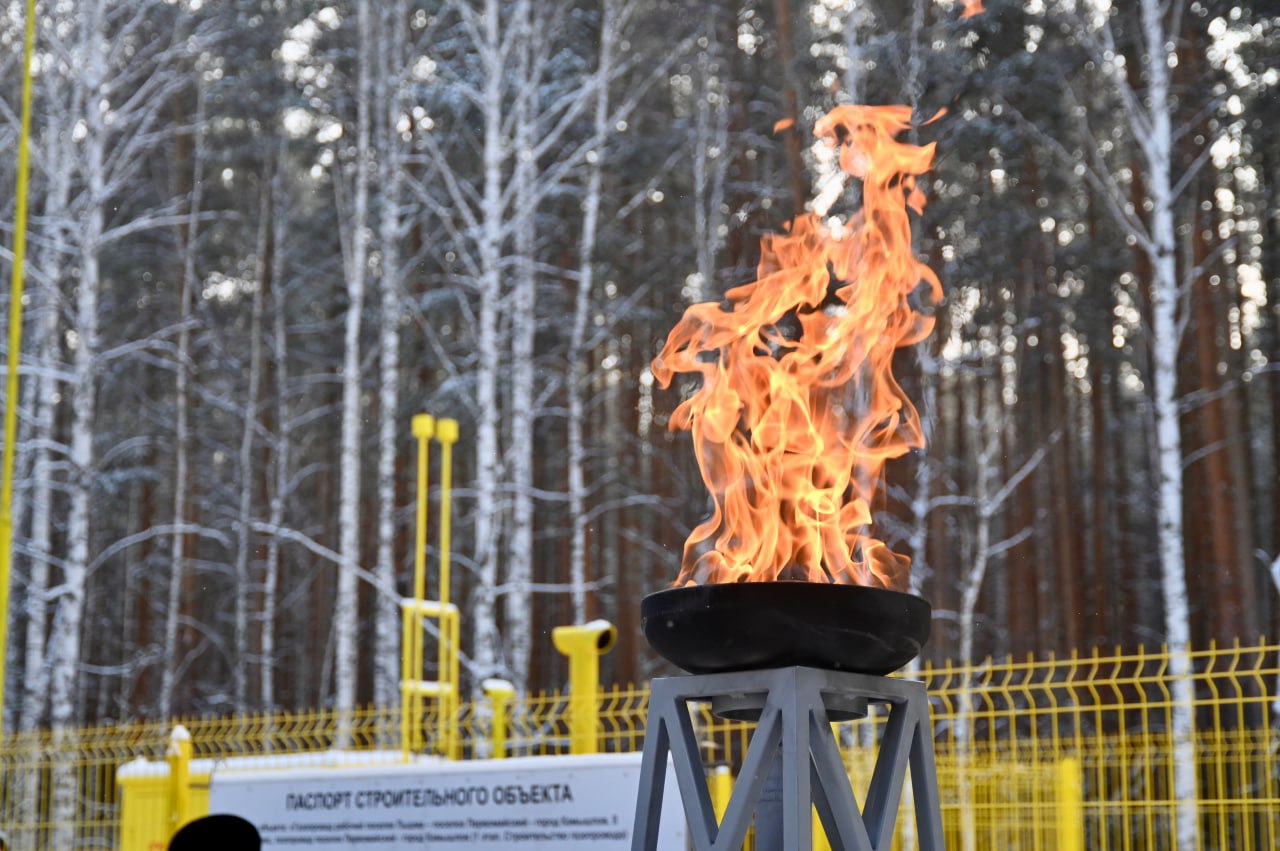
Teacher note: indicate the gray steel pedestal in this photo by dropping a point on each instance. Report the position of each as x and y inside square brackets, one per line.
[794, 721]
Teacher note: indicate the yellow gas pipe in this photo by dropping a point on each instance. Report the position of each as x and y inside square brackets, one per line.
[413, 689]
[584, 645]
[423, 426]
[15, 341]
[178, 755]
[450, 638]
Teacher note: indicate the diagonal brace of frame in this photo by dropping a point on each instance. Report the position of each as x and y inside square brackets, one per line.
[793, 727]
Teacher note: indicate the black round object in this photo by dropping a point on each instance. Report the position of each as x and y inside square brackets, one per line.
[219, 832]
[706, 629]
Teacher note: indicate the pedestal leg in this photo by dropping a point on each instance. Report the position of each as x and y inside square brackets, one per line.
[793, 736]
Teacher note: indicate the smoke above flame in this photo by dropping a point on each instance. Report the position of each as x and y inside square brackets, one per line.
[798, 409]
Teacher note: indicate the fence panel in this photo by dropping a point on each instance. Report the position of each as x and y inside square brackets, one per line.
[1032, 754]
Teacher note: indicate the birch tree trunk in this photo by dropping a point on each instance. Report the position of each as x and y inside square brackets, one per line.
[346, 607]
[182, 427]
[1158, 146]
[926, 361]
[578, 378]
[854, 20]
[985, 439]
[488, 415]
[280, 339]
[65, 636]
[60, 159]
[391, 171]
[517, 605]
[989, 504]
[710, 163]
[240, 647]
[1150, 118]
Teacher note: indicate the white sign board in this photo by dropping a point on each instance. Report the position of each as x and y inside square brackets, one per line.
[529, 803]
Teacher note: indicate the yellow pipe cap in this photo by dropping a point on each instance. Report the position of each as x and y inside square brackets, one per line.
[498, 690]
[447, 431]
[424, 426]
[597, 636]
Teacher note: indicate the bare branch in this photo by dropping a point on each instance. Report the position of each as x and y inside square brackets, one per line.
[1191, 172]
[1010, 485]
[1009, 543]
[1104, 183]
[162, 531]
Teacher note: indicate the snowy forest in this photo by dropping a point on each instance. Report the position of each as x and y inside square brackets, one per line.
[265, 234]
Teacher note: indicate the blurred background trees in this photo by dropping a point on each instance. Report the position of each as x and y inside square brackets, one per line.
[265, 234]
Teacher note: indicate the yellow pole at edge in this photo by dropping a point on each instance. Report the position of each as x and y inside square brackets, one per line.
[423, 427]
[15, 343]
[447, 656]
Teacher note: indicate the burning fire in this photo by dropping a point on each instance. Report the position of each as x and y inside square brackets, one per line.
[798, 409]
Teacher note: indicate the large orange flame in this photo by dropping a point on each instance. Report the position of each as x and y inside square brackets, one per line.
[798, 409]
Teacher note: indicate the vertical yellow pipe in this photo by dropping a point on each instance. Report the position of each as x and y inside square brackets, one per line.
[447, 657]
[178, 755]
[15, 342]
[423, 427]
[408, 724]
[456, 742]
[447, 434]
[445, 701]
[1070, 804]
[720, 785]
[500, 694]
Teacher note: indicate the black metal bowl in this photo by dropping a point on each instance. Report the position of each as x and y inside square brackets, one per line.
[741, 626]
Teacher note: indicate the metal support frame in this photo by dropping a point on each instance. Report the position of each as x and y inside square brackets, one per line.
[414, 690]
[794, 723]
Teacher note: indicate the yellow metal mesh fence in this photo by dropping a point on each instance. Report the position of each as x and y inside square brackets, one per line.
[1065, 754]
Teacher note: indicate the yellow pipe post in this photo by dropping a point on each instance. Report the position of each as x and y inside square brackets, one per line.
[407, 620]
[424, 426]
[447, 657]
[412, 650]
[449, 627]
[15, 342]
[720, 786]
[1070, 804]
[178, 755]
[447, 434]
[584, 645]
[413, 691]
[500, 694]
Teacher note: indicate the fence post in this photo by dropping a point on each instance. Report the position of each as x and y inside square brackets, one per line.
[179, 756]
[500, 694]
[1069, 783]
